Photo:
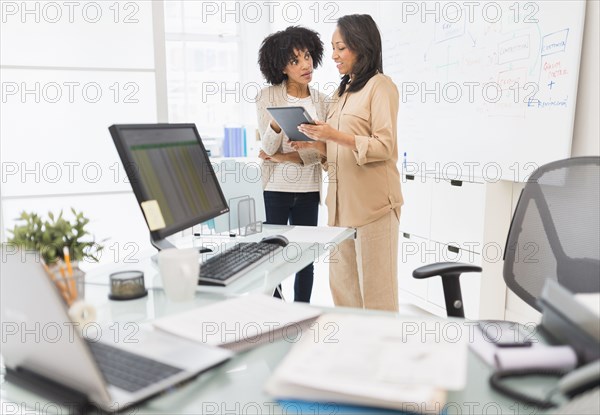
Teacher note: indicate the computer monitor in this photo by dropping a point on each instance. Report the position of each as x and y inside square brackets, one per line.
[171, 176]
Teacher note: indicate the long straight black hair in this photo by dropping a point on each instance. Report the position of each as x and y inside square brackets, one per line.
[361, 35]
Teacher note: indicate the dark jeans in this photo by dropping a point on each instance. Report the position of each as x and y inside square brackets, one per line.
[298, 209]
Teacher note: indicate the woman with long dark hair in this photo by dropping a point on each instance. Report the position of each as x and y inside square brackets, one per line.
[359, 139]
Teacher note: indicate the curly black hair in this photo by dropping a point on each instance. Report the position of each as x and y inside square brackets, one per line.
[277, 50]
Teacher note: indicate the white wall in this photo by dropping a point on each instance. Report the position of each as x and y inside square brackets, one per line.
[68, 72]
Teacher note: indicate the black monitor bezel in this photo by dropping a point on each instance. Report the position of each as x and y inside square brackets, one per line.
[142, 196]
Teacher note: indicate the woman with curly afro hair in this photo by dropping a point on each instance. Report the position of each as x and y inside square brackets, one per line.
[291, 179]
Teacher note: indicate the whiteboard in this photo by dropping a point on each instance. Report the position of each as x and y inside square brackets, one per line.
[487, 89]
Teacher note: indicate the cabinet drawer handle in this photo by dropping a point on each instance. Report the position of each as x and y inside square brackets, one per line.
[454, 249]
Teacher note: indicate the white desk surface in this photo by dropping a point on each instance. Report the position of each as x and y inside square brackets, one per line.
[262, 279]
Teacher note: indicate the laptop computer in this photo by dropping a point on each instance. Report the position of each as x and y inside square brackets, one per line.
[112, 371]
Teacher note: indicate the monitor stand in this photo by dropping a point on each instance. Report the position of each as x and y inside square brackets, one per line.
[161, 244]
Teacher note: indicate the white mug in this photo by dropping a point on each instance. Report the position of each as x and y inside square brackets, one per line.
[179, 272]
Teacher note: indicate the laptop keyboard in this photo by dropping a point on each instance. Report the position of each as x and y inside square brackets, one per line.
[232, 263]
[129, 371]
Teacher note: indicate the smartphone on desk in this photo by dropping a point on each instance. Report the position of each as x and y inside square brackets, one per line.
[505, 333]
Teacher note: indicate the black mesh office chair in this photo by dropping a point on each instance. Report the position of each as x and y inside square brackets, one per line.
[554, 234]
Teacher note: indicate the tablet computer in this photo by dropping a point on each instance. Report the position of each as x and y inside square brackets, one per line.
[289, 118]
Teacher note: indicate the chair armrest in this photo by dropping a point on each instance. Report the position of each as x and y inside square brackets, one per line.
[444, 268]
[450, 273]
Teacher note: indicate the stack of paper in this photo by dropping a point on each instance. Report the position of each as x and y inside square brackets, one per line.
[240, 323]
[375, 361]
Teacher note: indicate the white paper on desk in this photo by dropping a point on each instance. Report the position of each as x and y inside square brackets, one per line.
[409, 398]
[485, 349]
[249, 318]
[321, 235]
[373, 360]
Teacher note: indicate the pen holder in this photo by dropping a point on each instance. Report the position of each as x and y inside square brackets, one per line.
[71, 288]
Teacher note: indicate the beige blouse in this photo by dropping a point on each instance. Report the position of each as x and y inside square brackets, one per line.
[364, 182]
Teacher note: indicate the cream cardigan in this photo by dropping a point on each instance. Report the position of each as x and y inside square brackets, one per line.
[272, 142]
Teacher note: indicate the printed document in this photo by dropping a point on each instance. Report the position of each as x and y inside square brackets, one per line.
[375, 361]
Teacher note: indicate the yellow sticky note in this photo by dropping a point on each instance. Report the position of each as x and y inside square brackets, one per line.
[153, 215]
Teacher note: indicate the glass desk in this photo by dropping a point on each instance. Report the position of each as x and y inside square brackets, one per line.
[262, 279]
[237, 385]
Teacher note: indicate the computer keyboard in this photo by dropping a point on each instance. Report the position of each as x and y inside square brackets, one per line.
[126, 370]
[231, 264]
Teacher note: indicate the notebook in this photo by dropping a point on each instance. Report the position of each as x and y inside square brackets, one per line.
[242, 322]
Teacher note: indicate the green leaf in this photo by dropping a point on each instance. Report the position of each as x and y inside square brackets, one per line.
[49, 236]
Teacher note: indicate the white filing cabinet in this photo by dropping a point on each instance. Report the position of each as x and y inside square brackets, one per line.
[453, 221]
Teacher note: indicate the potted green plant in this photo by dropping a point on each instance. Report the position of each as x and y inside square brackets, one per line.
[50, 237]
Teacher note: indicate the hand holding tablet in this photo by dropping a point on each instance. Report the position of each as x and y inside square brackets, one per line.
[289, 118]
